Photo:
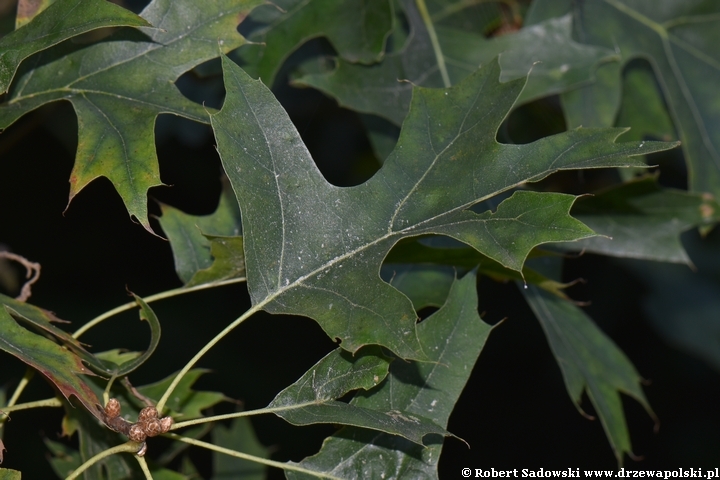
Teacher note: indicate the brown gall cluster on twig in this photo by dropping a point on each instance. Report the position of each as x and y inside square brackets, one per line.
[148, 425]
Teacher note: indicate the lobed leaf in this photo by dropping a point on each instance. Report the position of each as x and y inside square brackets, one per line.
[191, 236]
[309, 244]
[641, 219]
[62, 367]
[61, 20]
[453, 337]
[357, 29]
[590, 362]
[312, 399]
[557, 63]
[116, 117]
[680, 40]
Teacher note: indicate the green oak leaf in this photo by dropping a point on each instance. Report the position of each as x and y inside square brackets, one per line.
[9, 474]
[62, 20]
[357, 29]
[385, 89]
[119, 86]
[197, 240]
[63, 459]
[42, 321]
[309, 244]
[640, 219]
[185, 403]
[312, 399]
[590, 362]
[680, 41]
[62, 367]
[238, 436]
[453, 337]
[423, 272]
[682, 304]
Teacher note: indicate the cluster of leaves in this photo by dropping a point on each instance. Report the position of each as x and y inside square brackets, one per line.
[362, 261]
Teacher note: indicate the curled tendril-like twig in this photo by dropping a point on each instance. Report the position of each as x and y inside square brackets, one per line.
[32, 275]
[148, 425]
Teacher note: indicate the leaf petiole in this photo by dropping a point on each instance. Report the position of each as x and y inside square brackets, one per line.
[48, 402]
[152, 298]
[249, 413]
[130, 447]
[252, 458]
[422, 8]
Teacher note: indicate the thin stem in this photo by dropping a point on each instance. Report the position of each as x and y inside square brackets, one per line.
[129, 447]
[29, 374]
[249, 413]
[435, 43]
[150, 299]
[161, 404]
[48, 402]
[252, 458]
[144, 467]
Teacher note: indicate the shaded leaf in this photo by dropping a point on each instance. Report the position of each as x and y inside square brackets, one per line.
[188, 240]
[357, 29]
[238, 436]
[590, 362]
[453, 337]
[228, 261]
[62, 20]
[680, 40]
[642, 106]
[60, 366]
[385, 89]
[423, 284]
[309, 244]
[682, 304]
[116, 117]
[64, 459]
[643, 220]
[95, 438]
[185, 403]
[312, 399]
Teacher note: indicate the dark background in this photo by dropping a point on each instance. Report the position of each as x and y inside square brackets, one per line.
[514, 412]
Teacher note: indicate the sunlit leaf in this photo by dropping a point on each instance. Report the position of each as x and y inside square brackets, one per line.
[62, 20]
[312, 399]
[116, 116]
[309, 244]
[453, 337]
[8, 474]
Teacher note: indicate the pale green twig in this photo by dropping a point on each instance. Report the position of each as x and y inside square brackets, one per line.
[249, 413]
[48, 402]
[129, 447]
[150, 299]
[435, 43]
[252, 458]
[161, 403]
[144, 467]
